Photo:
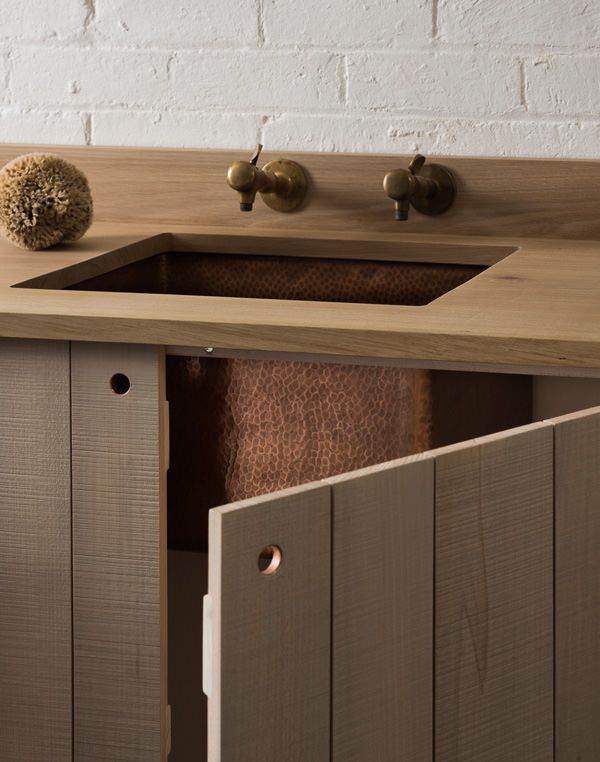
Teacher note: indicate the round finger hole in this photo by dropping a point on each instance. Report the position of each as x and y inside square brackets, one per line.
[269, 560]
[120, 384]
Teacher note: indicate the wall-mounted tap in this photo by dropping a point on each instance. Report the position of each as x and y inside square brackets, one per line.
[281, 183]
[429, 188]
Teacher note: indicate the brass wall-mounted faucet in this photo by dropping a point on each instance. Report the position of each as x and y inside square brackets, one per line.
[430, 188]
[282, 183]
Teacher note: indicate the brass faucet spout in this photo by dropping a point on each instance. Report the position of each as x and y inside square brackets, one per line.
[248, 180]
[402, 208]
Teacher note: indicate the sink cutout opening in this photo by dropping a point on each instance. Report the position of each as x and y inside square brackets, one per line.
[285, 277]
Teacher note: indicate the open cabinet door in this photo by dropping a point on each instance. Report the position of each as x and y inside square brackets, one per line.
[578, 586]
[267, 672]
[330, 657]
[494, 598]
[382, 613]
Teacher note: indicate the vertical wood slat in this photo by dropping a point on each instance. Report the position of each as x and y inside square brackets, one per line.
[269, 698]
[119, 555]
[577, 483]
[494, 598]
[382, 646]
[35, 552]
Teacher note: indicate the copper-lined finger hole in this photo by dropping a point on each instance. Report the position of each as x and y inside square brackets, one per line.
[269, 560]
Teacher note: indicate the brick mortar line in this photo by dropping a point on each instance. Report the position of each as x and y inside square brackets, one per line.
[439, 47]
[428, 118]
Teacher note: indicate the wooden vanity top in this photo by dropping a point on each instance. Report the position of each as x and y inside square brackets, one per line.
[537, 309]
[539, 306]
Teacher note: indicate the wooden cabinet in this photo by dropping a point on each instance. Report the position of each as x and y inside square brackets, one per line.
[271, 633]
[494, 598]
[35, 552]
[442, 607]
[577, 579]
[119, 554]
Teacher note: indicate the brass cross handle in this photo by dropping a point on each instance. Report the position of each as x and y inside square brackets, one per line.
[416, 164]
[257, 153]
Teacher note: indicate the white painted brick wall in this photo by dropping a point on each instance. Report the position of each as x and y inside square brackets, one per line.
[176, 25]
[88, 77]
[269, 81]
[558, 23]
[499, 77]
[434, 83]
[351, 23]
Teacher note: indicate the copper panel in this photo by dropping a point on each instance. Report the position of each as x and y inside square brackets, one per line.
[240, 428]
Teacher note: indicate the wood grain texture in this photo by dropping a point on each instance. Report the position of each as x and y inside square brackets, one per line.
[345, 191]
[270, 696]
[536, 308]
[562, 373]
[382, 643]
[578, 586]
[35, 553]
[494, 598]
[119, 547]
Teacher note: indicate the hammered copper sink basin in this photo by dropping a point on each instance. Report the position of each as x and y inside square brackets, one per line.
[281, 277]
[408, 273]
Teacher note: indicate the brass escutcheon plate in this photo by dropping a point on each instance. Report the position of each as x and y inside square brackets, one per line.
[444, 198]
[297, 185]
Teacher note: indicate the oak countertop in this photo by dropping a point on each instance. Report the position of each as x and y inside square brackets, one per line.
[539, 307]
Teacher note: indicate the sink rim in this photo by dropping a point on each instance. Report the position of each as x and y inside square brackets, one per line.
[405, 249]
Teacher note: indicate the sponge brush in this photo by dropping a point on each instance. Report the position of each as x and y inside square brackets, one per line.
[43, 200]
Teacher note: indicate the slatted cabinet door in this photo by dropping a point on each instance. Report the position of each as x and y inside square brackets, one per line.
[382, 617]
[119, 554]
[269, 665]
[356, 607]
[35, 552]
[494, 598]
[577, 473]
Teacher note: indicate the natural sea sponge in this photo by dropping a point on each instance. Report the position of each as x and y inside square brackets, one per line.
[43, 200]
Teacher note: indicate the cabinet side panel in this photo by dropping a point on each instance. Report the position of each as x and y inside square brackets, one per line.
[382, 645]
[118, 544]
[35, 552]
[494, 599]
[270, 698]
[578, 587]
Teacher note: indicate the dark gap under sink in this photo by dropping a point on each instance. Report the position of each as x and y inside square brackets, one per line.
[284, 277]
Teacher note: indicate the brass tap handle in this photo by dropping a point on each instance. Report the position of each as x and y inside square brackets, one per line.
[257, 152]
[416, 164]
